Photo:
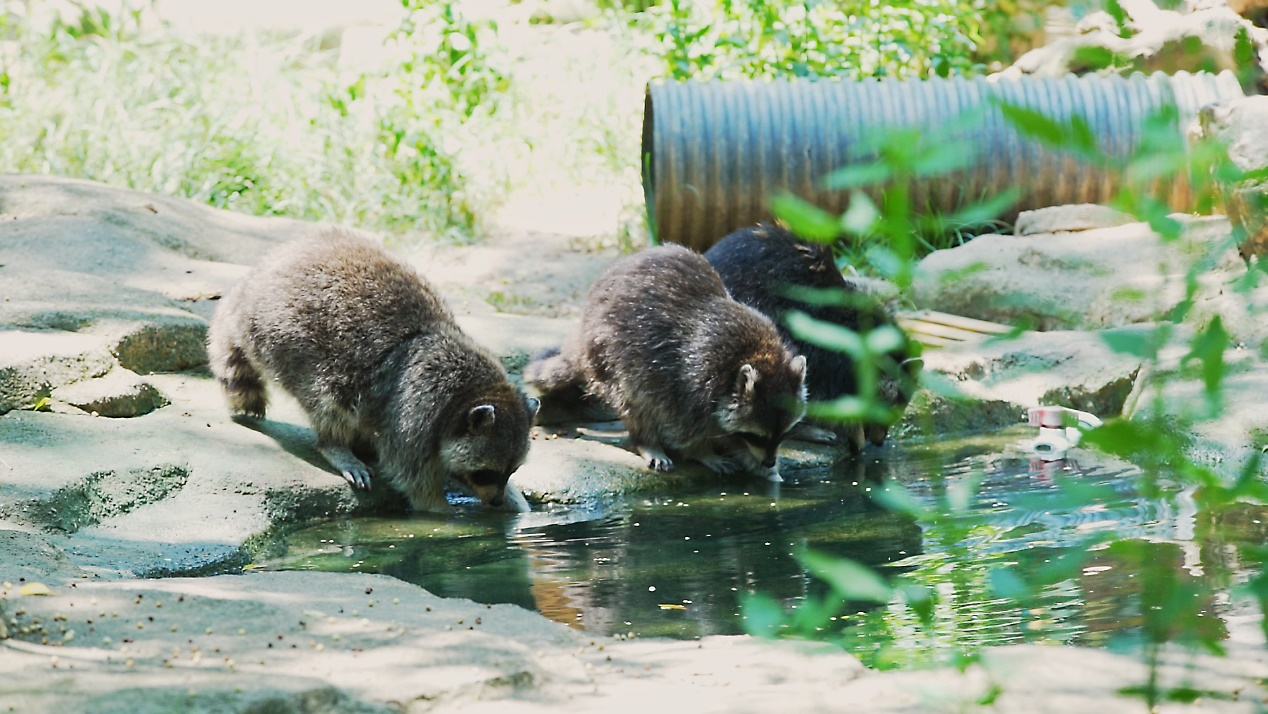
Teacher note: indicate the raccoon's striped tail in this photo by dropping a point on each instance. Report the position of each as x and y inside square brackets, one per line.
[553, 370]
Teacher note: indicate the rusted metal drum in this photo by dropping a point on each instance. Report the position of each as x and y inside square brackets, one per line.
[714, 153]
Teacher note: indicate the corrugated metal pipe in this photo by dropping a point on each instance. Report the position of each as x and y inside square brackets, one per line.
[714, 153]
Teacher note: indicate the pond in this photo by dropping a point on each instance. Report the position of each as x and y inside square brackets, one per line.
[1026, 553]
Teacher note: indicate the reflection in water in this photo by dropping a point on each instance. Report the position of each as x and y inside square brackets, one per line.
[679, 565]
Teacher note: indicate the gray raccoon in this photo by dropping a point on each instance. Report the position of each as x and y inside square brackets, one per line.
[373, 356]
[758, 264]
[692, 373]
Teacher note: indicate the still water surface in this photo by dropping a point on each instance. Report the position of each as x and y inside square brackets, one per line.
[679, 565]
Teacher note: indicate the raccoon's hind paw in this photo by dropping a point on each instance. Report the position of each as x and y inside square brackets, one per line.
[657, 460]
[350, 467]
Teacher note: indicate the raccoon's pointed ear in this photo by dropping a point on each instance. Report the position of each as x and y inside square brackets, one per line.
[481, 417]
[798, 365]
[745, 381]
[533, 405]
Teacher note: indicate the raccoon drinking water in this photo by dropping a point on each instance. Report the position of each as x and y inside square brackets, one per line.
[692, 373]
[373, 356]
[758, 265]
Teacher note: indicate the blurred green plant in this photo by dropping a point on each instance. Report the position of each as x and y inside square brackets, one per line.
[1174, 604]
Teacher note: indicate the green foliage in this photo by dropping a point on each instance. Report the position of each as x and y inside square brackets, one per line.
[250, 124]
[729, 39]
[1174, 603]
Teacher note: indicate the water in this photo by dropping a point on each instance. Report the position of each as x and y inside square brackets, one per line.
[994, 524]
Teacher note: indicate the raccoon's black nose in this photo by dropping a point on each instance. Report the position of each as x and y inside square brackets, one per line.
[496, 501]
[769, 461]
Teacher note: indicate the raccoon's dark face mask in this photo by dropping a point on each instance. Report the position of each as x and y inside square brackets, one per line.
[766, 408]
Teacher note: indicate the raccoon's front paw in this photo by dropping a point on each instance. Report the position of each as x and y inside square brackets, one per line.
[662, 464]
[359, 477]
[350, 467]
[657, 460]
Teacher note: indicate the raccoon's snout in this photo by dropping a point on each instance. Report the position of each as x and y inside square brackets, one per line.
[498, 499]
[769, 460]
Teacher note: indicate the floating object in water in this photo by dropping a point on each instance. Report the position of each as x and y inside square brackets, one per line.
[1060, 429]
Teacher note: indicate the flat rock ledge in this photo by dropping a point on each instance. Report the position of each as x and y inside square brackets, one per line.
[321, 642]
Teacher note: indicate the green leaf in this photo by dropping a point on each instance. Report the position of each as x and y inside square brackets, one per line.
[1131, 341]
[861, 217]
[805, 219]
[921, 600]
[943, 158]
[984, 211]
[857, 175]
[1073, 135]
[824, 334]
[1006, 583]
[847, 578]
[763, 615]
[960, 492]
[884, 339]
[1094, 58]
[1208, 347]
[894, 496]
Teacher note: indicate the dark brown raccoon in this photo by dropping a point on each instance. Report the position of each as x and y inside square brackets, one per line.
[758, 264]
[692, 373]
[373, 356]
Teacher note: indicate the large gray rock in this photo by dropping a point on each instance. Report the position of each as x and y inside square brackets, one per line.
[1243, 125]
[122, 269]
[1078, 217]
[1086, 280]
[974, 387]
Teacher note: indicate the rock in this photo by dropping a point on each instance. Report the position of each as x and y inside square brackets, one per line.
[91, 258]
[1243, 125]
[590, 462]
[166, 344]
[989, 385]
[1093, 279]
[1210, 39]
[1226, 441]
[33, 363]
[310, 641]
[1059, 219]
[120, 393]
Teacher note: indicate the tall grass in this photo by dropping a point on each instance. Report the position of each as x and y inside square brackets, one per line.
[249, 123]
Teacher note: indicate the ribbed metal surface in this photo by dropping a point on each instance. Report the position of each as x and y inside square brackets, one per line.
[714, 153]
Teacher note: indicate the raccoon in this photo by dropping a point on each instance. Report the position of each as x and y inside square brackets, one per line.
[692, 373]
[374, 357]
[758, 264]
